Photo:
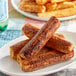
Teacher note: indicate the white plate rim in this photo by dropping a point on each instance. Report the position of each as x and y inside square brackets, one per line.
[9, 73]
[37, 18]
[44, 73]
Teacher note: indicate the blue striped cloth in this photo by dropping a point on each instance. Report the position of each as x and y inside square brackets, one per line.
[8, 35]
[13, 31]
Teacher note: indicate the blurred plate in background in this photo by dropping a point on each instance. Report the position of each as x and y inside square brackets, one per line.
[16, 4]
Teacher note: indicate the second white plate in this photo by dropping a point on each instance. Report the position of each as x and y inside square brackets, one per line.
[16, 4]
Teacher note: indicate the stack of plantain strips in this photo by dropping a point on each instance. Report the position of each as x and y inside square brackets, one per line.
[43, 48]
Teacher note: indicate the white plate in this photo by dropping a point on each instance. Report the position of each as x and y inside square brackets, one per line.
[11, 67]
[16, 4]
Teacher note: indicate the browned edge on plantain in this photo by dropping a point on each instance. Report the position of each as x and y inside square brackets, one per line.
[15, 49]
[55, 42]
[40, 39]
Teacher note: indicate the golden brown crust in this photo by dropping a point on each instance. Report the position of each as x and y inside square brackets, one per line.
[31, 6]
[59, 35]
[56, 1]
[41, 38]
[55, 42]
[41, 2]
[15, 49]
[58, 13]
[58, 6]
[44, 59]
[30, 30]
[60, 45]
